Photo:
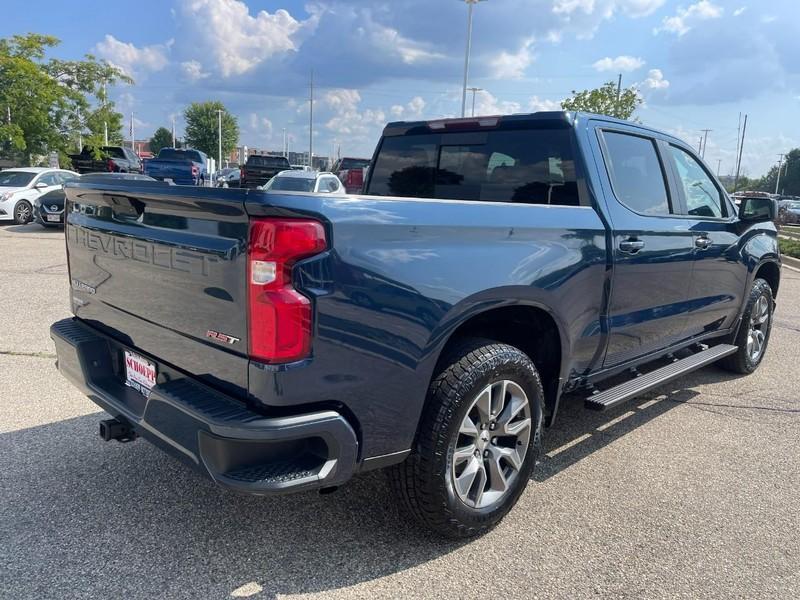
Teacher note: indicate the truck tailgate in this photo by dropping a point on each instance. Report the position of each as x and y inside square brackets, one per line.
[169, 169]
[163, 269]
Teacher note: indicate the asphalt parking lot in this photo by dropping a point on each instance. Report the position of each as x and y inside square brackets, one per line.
[691, 492]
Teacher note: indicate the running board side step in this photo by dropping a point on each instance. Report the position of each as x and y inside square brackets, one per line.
[639, 385]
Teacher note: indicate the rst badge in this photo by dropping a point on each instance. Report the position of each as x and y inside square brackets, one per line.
[221, 337]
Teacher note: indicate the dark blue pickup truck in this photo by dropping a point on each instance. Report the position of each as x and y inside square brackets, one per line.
[286, 341]
[183, 166]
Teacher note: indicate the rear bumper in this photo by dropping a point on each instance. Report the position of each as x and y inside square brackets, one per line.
[218, 435]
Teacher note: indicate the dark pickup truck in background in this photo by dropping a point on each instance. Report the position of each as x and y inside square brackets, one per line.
[260, 168]
[285, 341]
[182, 166]
[108, 159]
[350, 172]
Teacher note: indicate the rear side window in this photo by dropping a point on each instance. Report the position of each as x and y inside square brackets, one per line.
[532, 166]
[703, 198]
[636, 173]
[256, 160]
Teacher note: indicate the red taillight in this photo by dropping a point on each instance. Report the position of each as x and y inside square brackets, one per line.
[111, 166]
[241, 173]
[195, 170]
[280, 316]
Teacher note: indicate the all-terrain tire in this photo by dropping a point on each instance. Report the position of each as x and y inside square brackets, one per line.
[741, 361]
[423, 481]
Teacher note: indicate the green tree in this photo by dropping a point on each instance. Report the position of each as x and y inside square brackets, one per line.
[603, 101]
[46, 103]
[790, 176]
[202, 128]
[162, 138]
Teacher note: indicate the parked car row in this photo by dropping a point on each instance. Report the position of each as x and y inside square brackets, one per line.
[21, 188]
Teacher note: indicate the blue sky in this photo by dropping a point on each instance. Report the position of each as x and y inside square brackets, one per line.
[698, 64]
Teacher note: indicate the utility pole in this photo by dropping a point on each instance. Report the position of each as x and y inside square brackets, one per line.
[473, 90]
[470, 6]
[311, 122]
[780, 166]
[700, 146]
[705, 141]
[719, 163]
[619, 94]
[133, 133]
[741, 151]
[105, 122]
[738, 136]
[219, 136]
[173, 131]
[285, 152]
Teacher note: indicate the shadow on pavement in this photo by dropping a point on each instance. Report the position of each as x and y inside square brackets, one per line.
[91, 519]
[578, 432]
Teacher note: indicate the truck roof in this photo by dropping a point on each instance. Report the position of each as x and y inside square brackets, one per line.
[558, 118]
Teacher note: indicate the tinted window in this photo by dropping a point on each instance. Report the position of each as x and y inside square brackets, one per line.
[703, 199]
[636, 173]
[353, 163]
[183, 155]
[15, 178]
[533, 166]
[267, 161]
[114, 151]
[291, 184]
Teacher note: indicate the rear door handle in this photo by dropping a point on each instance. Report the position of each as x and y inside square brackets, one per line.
[702, 242]
[631, 245]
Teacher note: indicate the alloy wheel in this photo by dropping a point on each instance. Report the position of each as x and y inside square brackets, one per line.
[759, 325]
[491, 444]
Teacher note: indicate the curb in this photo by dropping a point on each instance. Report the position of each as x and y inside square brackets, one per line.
[790, 262]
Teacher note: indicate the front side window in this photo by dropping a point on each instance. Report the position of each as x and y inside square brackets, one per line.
[531, 166]
[636, 173]
[703, 199]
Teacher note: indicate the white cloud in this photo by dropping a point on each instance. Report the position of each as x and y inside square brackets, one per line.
[348, 119]
[682, 22]
[655, 80]
[238, 41]
[537, 104]
[131, 59]
[389, 41]
[487, 104]
[622, 63]
[607, 8]
[508, 65]
[412, 110]
[739, 11]
[193, 70]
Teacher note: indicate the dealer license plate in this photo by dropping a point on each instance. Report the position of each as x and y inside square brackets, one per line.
[140, 374]
[53, 218]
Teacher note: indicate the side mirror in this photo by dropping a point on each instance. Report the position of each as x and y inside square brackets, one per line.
[41, 185]
[758, 210]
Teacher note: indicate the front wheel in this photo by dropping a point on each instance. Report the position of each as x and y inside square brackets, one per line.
[754, 331]
[477, 441]
[23, 212]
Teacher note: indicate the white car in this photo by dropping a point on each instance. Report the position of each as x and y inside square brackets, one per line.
[19, 189]
[305, 181]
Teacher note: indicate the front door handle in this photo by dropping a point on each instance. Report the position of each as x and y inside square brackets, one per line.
[631, 245]
[702, 242]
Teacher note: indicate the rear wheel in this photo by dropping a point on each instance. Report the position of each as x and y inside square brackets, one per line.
[477, 441]
[753, 335]
[23, 212]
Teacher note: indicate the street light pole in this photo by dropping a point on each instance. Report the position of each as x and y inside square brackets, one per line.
[219, 136]
[470, 5]
[780, 166]
[473, 90]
